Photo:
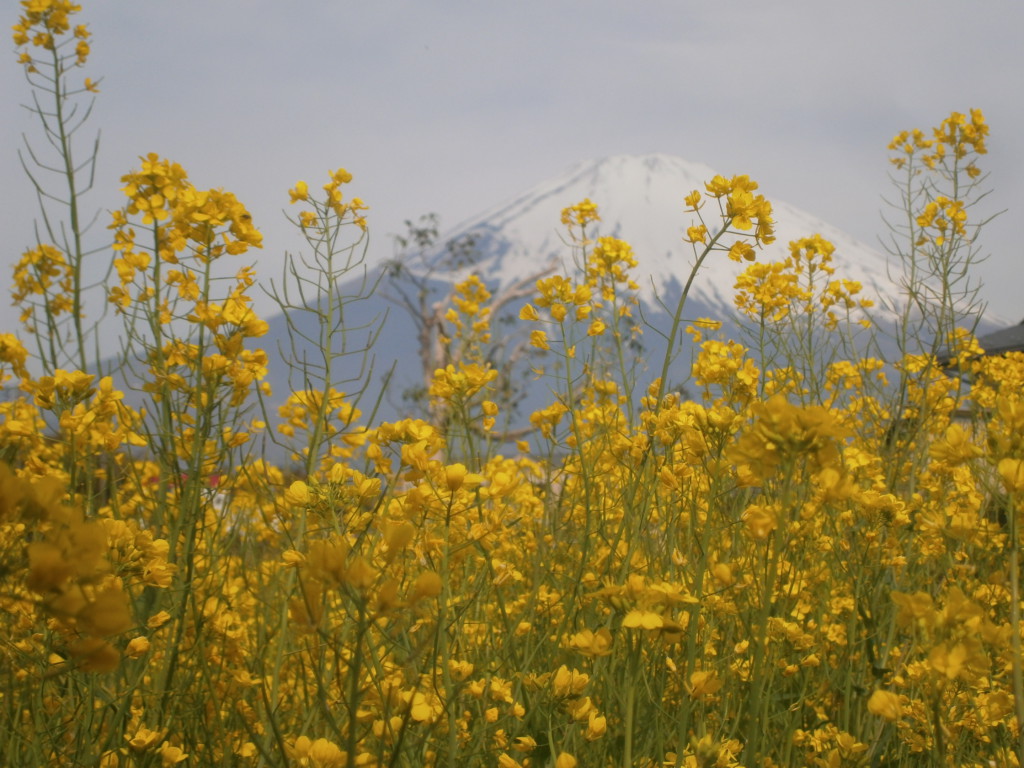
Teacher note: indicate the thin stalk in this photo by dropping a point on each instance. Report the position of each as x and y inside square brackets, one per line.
[1018, 672]
[629, 715]
[64, 141]
[677, 316]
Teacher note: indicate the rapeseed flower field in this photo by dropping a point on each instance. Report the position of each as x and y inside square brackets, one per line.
[809, 559]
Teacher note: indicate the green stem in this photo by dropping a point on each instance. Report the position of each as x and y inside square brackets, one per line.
[628, 725]
[677, 316]
[1018, 672]
[64, 141]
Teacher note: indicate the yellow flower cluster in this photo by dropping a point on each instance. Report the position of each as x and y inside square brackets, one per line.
[783, 432]
[768, 289]
[42, 23]
[958, 136]
[74, 575]
[942, 214]
[212, 222]
[13, 355]
[461, 383]
[607, 267]
[580, 215]
[42, 271]
[470, 313]
[725, 365]
[743, 210]
[334, 203]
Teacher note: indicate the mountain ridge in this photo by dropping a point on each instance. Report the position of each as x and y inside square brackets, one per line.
[640, 198]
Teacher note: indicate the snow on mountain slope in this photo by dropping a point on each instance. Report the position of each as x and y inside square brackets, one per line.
[640, 199]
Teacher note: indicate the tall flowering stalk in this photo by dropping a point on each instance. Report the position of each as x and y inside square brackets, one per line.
[940, 187]
[934, 235]
[188, 350]
[322, 332]
[50, 282]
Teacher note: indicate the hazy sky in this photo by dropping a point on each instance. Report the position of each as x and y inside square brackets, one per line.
[453, 106]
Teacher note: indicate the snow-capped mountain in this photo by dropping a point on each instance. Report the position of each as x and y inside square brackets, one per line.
[640, 199]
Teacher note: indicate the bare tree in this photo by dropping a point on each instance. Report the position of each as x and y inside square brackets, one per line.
[421, 280]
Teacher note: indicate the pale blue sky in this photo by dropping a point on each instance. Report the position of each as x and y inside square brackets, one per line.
[452, 106]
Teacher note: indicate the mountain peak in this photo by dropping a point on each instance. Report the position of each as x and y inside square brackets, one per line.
[640, 200]
[641, 166]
